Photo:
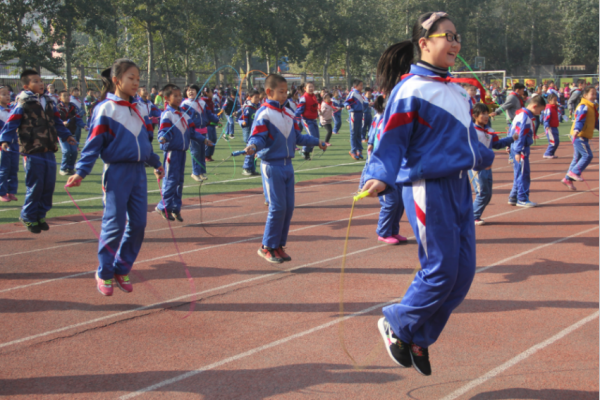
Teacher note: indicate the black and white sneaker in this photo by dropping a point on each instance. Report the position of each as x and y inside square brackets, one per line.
[420, 359]
[165, 214]
[398, 351]
[177, 216]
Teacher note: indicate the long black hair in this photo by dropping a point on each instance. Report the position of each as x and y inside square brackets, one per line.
[118, 68]
[397, 59]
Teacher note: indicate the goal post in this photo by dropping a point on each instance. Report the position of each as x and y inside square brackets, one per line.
[485, 76]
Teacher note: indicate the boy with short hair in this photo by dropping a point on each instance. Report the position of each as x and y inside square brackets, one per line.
[521, 130]
[275, 135]
[246, 120]
[308, 110]
[230, 108]
[149, 109]
[69, 114]
[35, 122]
[551, 121]
[355, 104]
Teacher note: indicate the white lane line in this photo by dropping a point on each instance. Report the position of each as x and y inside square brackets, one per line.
[527, 353]
[541, 177]
[273, 344]
[253, 351]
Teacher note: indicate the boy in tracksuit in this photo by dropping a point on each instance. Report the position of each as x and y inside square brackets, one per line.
[308, 109]
[275, 135]
[149, 109]
[584, 123]
[74, 99]
[367, 115]
[355, 104]
[521, 130]
[9, 160]
[36, 123]
[337, 115]
[551, 121]
[248, 113]
[211, 129]
[230, 108]
[69, 114]
[176, 130]
[483, 180]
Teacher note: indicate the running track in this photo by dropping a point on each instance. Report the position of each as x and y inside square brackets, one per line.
[527, 330]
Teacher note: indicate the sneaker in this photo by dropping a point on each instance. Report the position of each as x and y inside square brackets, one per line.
[63, 172]
[208, 159]
[196, 178]
[388, 240]
[32, 227]
[105, 287]
[282, 254]
[71, 172]
[479, 222]
[43, 224]
[12, 197]
[5, 198]
[574, 176]
[400, 238]
[203, 177]
[528, 204]
[177, 216]
[163, 213]
[246, 172]
[420, 359]
[555, 156]
[360, 156]
[547, 157]
[307, 156]
[569, 183]
[512, 202]
[398, 351]
[270, 255]
[267, 203]
[124, 283]
[353, 155]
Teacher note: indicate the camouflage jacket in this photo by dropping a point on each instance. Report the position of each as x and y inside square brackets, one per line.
[37, 131]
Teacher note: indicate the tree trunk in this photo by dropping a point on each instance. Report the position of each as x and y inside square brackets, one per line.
[531, 46]
[218, 75]
[477, 32]
[164, 47]
[268, 62]
[68, 52]
[326, 68]
[348, 78]
[248, 69]
[150, 55]
[82, 83]
[506, 38]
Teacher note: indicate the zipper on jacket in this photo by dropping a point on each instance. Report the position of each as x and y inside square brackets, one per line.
[136, 140]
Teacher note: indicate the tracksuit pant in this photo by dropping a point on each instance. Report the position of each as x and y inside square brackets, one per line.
[124, 219]
[367, 121]
[356, 120]
[440, 212]
[172, 185]
[312, 127]
[582, 156]
[69, 154]
[248, 160]
[229, 129]
[211, 133]
[337, 122]
[9, 168]
[392, 208]
[522, 177]
[198, 152]
[279, 187]
[553, 141]
[40, 179]
[482, 182]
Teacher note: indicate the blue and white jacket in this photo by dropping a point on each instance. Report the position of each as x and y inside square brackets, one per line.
[247, 115]
[523, 126]
[177, 129]
[490, 139]
[339, 104]
[426, 132]
[275, 131]
[200, 114]
[150, 110]
[367, 108]
[4, 114]
[373, 137]
[118, 134]
[355, 101]
[77, 103]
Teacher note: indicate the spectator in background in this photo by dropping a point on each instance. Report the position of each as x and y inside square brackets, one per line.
[514, 102]
[575, 97]
[153, 94]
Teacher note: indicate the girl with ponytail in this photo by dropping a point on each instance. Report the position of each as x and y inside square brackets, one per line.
[427, 143]
[119, 135]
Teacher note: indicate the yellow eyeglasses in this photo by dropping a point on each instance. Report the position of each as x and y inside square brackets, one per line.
[451, 37]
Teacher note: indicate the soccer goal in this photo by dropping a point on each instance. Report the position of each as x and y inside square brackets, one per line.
[486, 77]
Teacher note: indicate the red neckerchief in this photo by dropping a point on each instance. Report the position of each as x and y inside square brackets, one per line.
[281, 110]
[132, 106]
[518, 97]
[180, 115]
[484, 130]
[470, 81]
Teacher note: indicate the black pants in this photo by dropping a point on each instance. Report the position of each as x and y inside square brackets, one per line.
[329, 131]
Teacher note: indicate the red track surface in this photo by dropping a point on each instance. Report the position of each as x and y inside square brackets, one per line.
[262, 332]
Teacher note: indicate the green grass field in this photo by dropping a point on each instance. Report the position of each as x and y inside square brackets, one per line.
[225, 178]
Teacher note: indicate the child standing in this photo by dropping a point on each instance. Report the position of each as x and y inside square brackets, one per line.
[275, 134]
[211, 129]
[230, 108]
[367, 115]
[89, 102]
[337, 114]
[326, 115]
[35, 122]
[149, 109]
[76, 101]
[9, 160]
[427, 143]
[174, 135]
[521, 130]
[584, 123]
[119, 135]
[308, 110]
[483, 180]
[248, 113]
[69, 114]
[551, 122]
[355, 104]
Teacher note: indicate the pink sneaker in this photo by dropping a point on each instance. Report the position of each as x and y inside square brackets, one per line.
[5, 198]
[124, 283]
[574, 176]
[400, 238]
[388, 240]
[13, 197]
[105, 287]
[569, 184]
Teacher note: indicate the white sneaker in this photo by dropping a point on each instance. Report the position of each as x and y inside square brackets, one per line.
[203, 177]
[527, 204]
[196, 178]
[548, 157]
[63, 172]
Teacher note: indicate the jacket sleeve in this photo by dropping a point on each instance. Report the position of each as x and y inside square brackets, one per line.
[301, 107]
[511, 102]
[99, 138]
[486, 157]
[521, 128]
[164, 131]
[61, 129]
[260, 134]
[154, 114]
[212, 117]
[498, 143]
[580, 117]
[572, 99]
[304, 140]
[546, 118]
[372, 132]
[9, 132]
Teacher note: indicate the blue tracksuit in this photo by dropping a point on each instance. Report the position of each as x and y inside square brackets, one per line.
[550, 118]
[9, 160]
[211, 129]
[230, 105]
[69, 114]
[582, 152]
[523, 126]
[337, 116]
[81, 112]
[177, 129]
[367, 119]
[275, 131]
[483, 180]
[428, 143]
[119, 135]
[40, 168]
[147, 108]
[201, 117]
[246, 119]
[356, 102]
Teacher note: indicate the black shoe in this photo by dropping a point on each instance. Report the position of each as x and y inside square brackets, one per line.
[43, 224]
[164, 214]
[420, 359]
[178, 216]
[398, 351]
[307, 156]
[32, 227]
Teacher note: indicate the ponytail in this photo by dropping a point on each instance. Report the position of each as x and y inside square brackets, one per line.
[117, 70]
[379, 105]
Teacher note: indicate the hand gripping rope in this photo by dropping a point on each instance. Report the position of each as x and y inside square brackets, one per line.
[371, 356]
